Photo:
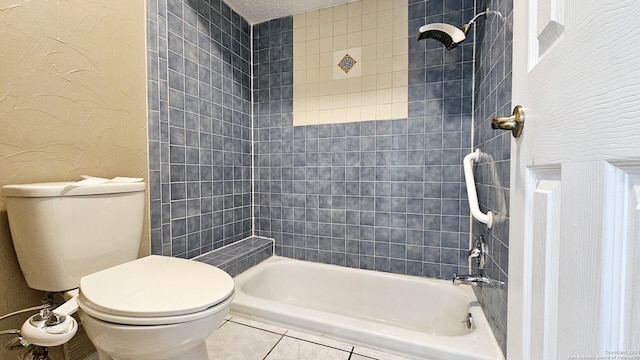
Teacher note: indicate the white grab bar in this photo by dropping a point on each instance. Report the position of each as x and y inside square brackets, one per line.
[471, 190]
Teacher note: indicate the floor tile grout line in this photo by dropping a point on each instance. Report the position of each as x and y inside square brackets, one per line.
[294, 337]
[317, 343]
[273, 347]
[289, 336]
[223, 323]
[257, 328]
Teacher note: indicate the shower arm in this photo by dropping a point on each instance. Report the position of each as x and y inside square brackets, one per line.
[467, 26]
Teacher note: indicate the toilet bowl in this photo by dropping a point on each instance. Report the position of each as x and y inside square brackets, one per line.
[154, 308]
[184, 341]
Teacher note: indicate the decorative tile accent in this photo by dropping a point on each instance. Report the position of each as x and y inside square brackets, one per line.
[346, 63]
[354, 71]
[374, 34]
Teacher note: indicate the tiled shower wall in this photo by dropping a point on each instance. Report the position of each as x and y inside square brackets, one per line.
[385, 195]
[493, 98]
[199, 81]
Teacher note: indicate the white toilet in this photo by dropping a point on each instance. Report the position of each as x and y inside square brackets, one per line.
[83, 240]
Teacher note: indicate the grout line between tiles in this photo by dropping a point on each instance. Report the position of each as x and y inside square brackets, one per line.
[273, 347]
[258, 328]
[316, 343]
[286, 334]
[223, 324]
[351, 352]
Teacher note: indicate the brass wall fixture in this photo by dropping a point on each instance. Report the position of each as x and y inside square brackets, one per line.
[515, 122]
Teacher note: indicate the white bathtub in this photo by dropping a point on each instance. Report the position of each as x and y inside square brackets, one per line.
[414, 316]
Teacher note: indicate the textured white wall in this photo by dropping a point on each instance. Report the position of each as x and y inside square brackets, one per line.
[72, 102]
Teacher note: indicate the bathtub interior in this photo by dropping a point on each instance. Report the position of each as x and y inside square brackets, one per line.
[353, 293]
[392, 312]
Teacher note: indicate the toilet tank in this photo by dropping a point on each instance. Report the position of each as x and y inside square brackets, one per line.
[62, 232]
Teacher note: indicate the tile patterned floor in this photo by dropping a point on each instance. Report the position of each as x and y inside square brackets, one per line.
[239, 338]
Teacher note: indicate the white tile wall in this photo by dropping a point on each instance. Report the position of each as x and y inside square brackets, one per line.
[374, 33]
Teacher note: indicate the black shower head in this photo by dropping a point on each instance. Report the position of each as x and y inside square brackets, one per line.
[448, 35]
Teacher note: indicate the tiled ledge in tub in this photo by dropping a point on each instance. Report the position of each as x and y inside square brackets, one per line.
[239, 256]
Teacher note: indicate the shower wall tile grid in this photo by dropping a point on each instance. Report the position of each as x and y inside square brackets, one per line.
[368, 35]
[493, 98]
[385, 195]
[240, 255]
[199, 126]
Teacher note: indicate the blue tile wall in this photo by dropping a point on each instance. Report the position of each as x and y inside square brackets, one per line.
[199, 99]
[384, 195]
[240, 255]
[493, 98]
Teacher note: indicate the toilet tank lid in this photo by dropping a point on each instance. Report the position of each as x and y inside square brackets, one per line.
[56, 189]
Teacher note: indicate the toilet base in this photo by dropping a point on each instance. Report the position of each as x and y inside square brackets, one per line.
[183, 341]
[197, 353]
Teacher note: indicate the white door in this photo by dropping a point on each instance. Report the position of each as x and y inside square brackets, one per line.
[574, 241]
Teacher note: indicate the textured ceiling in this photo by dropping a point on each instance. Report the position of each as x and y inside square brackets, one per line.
[257, 11]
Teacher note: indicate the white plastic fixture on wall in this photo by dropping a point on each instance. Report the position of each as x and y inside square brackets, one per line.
[471, 190]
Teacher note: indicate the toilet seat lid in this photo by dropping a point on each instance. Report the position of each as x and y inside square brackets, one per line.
[156, 286]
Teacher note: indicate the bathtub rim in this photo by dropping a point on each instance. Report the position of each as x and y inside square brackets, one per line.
[386, 337]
